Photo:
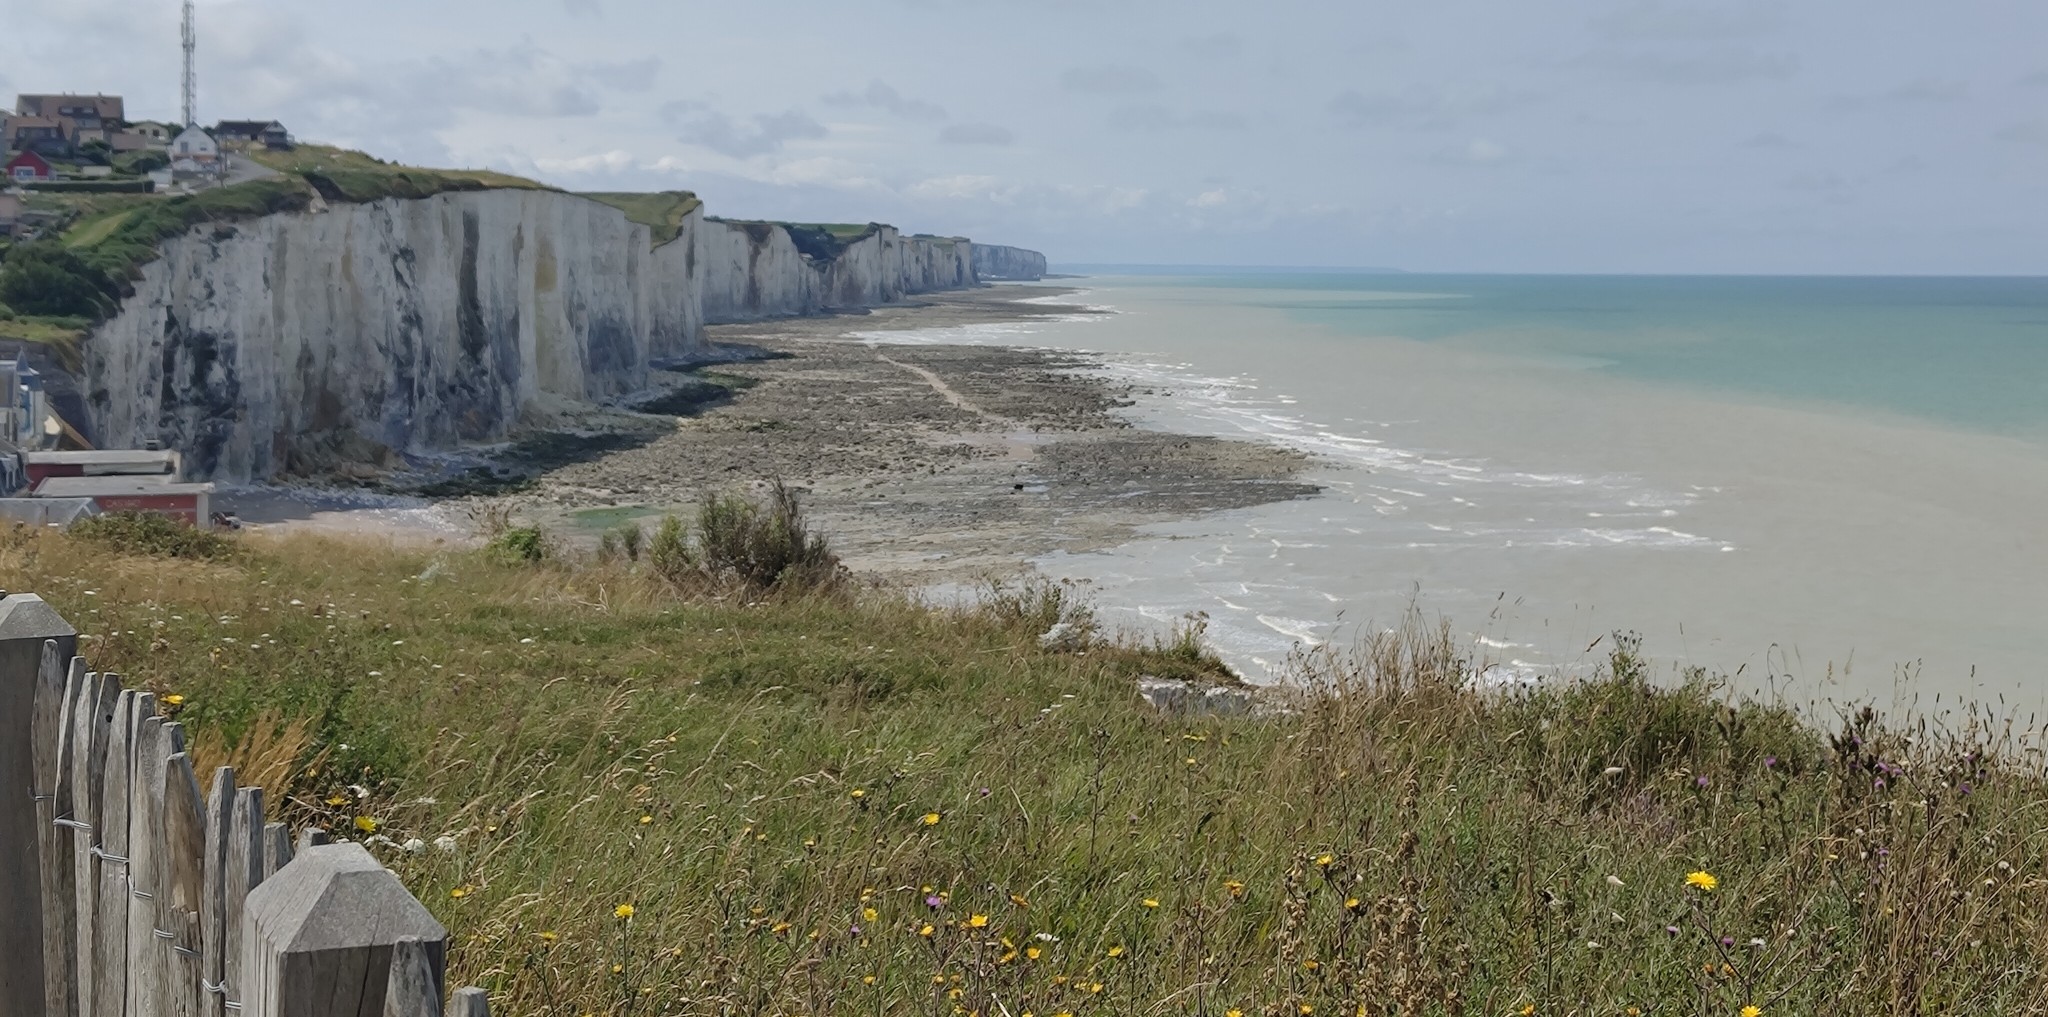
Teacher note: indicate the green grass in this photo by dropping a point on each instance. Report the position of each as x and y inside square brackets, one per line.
[328, 160]
[96, 230]
[663, 212]
[1011, 831]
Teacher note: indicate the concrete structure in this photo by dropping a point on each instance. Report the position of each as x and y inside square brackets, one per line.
[161, 463]
[191, 504]
[29, 167]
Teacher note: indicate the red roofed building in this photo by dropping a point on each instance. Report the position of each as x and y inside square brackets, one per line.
[29, 168]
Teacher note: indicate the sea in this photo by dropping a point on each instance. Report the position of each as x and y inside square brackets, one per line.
[1822, 490]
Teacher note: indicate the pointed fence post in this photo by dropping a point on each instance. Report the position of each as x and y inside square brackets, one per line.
[469, 1003]
[26, 623]
[319, 938]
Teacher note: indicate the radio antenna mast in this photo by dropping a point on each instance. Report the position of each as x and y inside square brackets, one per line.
[191, 70]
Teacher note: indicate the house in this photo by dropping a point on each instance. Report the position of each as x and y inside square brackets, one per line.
[58, 512]
[29, 167]
[123, 142]
[268, 133]
[10, 213]
[49, 136]
[24, 408]
[191, 504]
[92, 113]
[158, 134]
[194, 153]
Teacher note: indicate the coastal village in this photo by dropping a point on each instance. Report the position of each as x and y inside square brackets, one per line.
[57, 153]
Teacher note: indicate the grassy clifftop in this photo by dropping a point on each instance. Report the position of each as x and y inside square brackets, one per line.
[664, 212]
[624, 797]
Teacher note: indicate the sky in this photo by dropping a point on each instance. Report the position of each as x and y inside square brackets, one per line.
[1632, 136]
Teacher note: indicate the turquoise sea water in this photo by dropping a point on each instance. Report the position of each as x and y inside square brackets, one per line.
[1967, 352]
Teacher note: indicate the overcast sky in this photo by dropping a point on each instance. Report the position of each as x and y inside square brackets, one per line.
[1491, 135]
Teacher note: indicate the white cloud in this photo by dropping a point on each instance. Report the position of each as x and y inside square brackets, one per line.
[881, 95]
[1210, 199]
[740, 137]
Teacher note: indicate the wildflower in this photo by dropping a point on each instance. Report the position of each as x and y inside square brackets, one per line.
[1703, 880]
[1235, 888]
[1116, 951]
[445, 845]
[1325, 861]
[1615, 881]
[623, 911]
[977, 922]
[618, 969]
[174, 700]
[857, 794]
[366, 824]
[337, 801]
[549, 937]
[779, 928]
[1018, 899]
[931, 819]
[1353, 904]
[1233, 1012]
[1752, 1010]
[867, 979]
[1311, 965]
[1032, 953]
[1149, 902]
[644, 820]
[934, 901]
[869, 914]
[413, 846]
[459, 892]
[925, 930]
[1095, 988]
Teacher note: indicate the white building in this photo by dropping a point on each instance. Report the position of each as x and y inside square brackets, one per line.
[194, 153]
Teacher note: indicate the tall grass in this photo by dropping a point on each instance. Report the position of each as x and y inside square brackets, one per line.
[628, 797]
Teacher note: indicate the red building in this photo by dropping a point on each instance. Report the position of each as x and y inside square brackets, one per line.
[29, 168]
[190, 504]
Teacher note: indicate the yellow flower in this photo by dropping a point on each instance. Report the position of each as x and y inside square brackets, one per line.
[459, 892]
[1116, 951]
[1018, 899]
[931, 819]
[1306, 1009]
[1704, 880]
[623, 911]
[618, 969]
[857, 794]
[1233, 1012]
[1032, 953]
[867, 979]
[1325, 861]
[779, 928]
[549, 937]
[977, 922]
[337, 801]
[366, 824]
[1235, 888]
[174, 700]
[925, 930]
[1095, 988]
[1150, 903]
[869, 914]
[1352, 904]
[1311, 965]
[1752, 1010]
[1527, 1011]
[644, 820]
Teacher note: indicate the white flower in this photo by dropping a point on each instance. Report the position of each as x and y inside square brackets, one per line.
[1612, 771]
[1615, 881]
[445, 844]
[414, 846]
[525, 641]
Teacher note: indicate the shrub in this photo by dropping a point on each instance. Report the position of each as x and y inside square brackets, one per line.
[761, 544]
[6, 313]
[45, 279]
[520, 544]
[146, 533]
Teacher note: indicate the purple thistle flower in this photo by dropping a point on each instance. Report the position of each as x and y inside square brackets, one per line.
[1700, 781]
[1965, 788]
[934, 901]
[1727, 940]
[856, 930]
[1671, 930]
[1770, 761]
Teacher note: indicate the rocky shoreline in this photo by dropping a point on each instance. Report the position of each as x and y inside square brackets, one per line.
[925, 463]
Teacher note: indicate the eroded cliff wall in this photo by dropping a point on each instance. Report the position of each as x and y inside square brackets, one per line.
[290, 342]
[994, 261]
[400, 324]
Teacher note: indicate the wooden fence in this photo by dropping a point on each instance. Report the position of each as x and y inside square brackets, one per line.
[126, 892]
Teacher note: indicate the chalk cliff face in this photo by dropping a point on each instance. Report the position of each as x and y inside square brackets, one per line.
[993, 261]
[281, 343]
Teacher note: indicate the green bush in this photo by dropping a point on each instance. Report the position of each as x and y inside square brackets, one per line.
[152, 535]
[6, 313]
[46, 279]
[761, 544]
[521, 544]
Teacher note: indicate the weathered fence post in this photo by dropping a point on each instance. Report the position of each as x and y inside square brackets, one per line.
[319, 937]
[26, 788]
[469, 1003]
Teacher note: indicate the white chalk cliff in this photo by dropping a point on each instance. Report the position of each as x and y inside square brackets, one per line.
[263, 346]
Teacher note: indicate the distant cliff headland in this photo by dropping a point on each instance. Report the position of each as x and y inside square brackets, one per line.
[345, 306]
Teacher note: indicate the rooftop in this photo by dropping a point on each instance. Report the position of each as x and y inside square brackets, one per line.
[115, 486]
